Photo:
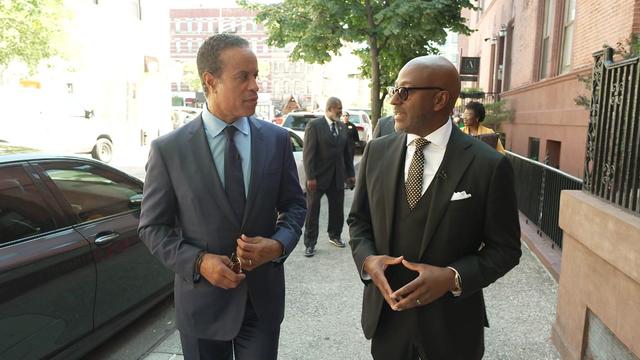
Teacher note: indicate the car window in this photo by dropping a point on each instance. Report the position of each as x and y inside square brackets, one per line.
[354, 119]
[296, 142]
[23, 212]
[93, 192]
[297, 122]
[366, 119]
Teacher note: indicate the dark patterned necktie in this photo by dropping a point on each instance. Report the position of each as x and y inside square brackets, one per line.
[334, 131]
[233, 179]
[413, 186]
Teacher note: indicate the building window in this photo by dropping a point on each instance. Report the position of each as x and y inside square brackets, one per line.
[199, 26]
[177, 26]
[189, 26]
[534, 148]
[189, 46]
[567, 34]
[545, 49]
[177, 46]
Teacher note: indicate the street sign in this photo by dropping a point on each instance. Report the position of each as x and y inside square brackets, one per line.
[468, 78]
[469, 65]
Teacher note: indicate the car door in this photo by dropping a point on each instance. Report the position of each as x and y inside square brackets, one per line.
[106, 208]
[47, 274]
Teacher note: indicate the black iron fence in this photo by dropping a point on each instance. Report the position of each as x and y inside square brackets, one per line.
[538, 188]
[612, 161]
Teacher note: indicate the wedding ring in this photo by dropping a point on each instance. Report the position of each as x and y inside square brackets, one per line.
[418, 301]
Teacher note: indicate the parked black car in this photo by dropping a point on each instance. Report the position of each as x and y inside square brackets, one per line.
[72, 268]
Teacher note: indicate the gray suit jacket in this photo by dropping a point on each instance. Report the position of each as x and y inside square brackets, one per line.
[385, 126]
[479, 236]
[325, 156]
[185, 210]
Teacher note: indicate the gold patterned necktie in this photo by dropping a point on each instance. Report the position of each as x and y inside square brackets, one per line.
[413, 186]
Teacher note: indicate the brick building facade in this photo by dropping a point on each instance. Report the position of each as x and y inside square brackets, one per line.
[531, 53]
[278, 77]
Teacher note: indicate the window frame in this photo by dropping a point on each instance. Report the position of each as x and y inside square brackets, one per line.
[62, 200]
[56, 213]
[548, 17]
[567, 24]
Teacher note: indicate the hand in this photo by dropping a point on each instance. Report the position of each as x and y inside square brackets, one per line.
[351, 182]
[312, 185]
[215, 268]
[432, 282]
[255, 251]
[375, 266]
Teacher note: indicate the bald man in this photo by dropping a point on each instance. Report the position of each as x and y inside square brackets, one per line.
[434, 220]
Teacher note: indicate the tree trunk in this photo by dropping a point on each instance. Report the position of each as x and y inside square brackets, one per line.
[376, 103]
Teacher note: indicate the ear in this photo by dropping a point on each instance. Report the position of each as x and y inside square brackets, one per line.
[440, 100]
[210, 82]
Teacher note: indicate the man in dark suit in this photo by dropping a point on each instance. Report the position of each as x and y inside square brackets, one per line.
[434, 220]
[225, 187]
[328, 166]
[385, 126]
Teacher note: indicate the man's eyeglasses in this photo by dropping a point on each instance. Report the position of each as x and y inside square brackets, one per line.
[403, 91]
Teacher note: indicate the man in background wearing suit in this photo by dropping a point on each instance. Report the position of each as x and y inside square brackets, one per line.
[385, 126]
[328, 166]
[434, 220]
[225, 187]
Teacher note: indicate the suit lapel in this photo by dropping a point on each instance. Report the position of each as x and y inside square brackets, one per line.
[393, 160]
[257, 165]
[454, 165]
[207, 169]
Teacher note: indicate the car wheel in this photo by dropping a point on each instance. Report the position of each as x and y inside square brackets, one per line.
[103, 150]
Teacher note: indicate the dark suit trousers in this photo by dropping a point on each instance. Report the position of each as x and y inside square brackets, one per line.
[397, 336]
[335, 197]
[255, 340]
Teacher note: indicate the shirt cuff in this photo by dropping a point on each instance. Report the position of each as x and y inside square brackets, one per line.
[363, 274]
[458, 289]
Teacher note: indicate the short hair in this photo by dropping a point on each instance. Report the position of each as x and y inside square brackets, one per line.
[331, 102]
[477, 109]
[208, 59]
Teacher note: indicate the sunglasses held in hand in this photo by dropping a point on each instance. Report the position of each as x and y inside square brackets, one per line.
[235, 264]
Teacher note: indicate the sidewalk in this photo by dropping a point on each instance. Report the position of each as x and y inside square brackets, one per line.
[324, 296]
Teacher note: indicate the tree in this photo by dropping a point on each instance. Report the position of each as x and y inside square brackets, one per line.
[28, 30]
[191, 77]
[391, 32]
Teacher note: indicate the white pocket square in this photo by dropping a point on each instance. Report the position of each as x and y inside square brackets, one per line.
[460, 196]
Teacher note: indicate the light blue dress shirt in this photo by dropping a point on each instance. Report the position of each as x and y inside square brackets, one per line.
[214, 129]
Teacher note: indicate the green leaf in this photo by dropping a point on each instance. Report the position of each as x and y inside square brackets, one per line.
[397, 30]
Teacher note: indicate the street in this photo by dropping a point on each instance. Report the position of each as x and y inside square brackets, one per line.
[322, 318]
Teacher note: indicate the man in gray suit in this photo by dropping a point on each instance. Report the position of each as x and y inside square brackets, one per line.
[328, 165]
[223, 208]
[434, 220]
[385, 126]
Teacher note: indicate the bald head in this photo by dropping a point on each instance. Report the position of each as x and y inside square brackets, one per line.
[437, 71]
[431, 87]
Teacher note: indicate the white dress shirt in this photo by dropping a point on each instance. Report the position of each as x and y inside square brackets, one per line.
[433, 153]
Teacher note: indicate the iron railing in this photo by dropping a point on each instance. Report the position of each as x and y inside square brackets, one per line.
[612, 160]
[538, 188]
